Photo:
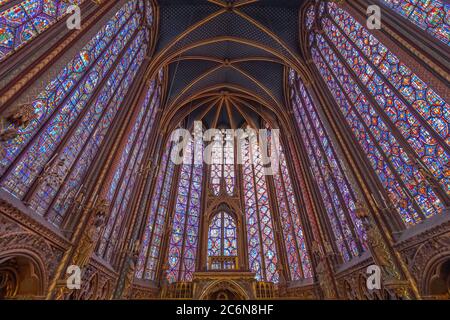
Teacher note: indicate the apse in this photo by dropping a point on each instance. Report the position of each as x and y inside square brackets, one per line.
[213, 150]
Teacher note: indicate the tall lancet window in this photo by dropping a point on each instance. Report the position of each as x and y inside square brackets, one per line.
[216, 163]
[262, 253]
[294, 238]
[335, 189]
[185, 230]
[222, 240]
[123, 182]
[222, 162]
[150, 255]
[25, 20]
[74, 114]
[429, 15]
[228, 161]
[399, 121]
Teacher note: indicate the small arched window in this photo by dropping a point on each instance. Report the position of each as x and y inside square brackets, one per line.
[222, 239]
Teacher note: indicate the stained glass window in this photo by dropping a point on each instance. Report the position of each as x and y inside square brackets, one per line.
[310, 16]
[398, 120]
[222, 235]
[228, 161]
[94, 126]
[73, 76]
[122, 186]
[216, 163]
[185, 231]
[335, 189]
[429, 15]
[397, 91]
[262, 253]
[153, 234]
[294, 238]
[74, 114]
[22, 22]
[306, 201]
[222, 164]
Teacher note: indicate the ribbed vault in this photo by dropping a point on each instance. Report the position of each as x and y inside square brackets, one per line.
[226, 109]
[231, 53]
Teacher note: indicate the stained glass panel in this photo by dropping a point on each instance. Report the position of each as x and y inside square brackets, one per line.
[260, 234]
[24, 21]
[131, 159]
[387, 108]
[404, 98]
[63, 102]
[429, 15]
[217, 163]
[222, 236]
[222, 164]
[99, 117]
[228, 156]
[154, 229]
[185, 230]
[344, 238]
[294, 239]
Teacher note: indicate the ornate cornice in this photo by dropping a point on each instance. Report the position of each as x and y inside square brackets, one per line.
[423, 232]
[41, 228]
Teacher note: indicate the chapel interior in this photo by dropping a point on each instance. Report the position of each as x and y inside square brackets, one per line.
[354, 93]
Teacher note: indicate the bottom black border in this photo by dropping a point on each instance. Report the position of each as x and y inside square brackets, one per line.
[159, 309]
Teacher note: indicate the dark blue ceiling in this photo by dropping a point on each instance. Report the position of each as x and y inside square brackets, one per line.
[280, 17]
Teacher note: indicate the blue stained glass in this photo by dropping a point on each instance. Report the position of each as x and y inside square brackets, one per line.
[260, 235]
[75, 84]
[347, 54]
[131, 159]
[429, 15]
[22, 22]
[183, 242]
[68, 84]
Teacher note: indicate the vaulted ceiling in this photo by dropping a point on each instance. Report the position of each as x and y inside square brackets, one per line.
[222, 55]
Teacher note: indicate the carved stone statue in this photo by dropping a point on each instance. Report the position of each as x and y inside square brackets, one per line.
[282, 280]
[89, 239]
[325, 280]
[12, 120]
[382, 256]
[377, 245]
[8, 134]
[21, 115]
[323, 271]
[129, 278]
[164, 283]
